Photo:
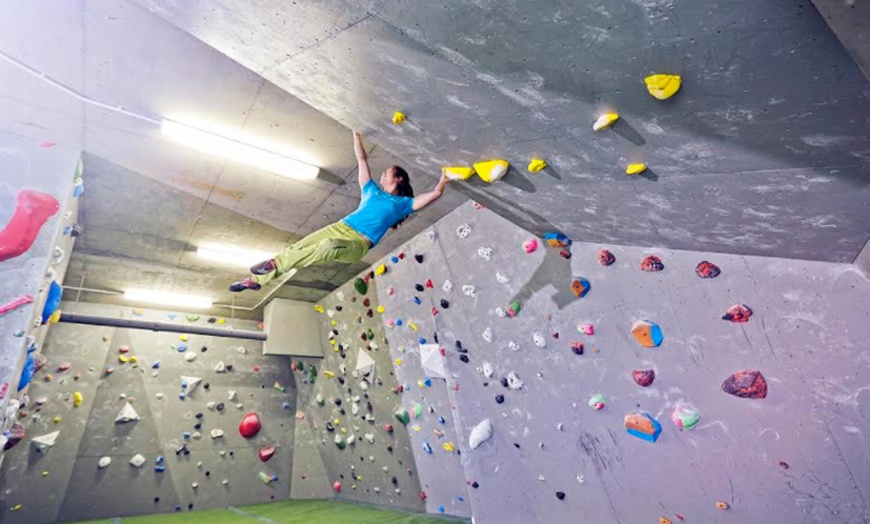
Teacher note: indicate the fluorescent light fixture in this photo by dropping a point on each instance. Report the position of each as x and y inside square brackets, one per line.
[167, 299]
[238, 151]
[232, 255]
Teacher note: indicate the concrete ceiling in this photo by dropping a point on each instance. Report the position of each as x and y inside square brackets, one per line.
[149, 202]
[765, 150]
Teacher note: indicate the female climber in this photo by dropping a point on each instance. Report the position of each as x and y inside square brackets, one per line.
[351, 238]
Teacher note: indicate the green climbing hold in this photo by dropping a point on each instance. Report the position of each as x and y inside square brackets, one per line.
[192, 318]
[361, 287]
[370, 335]
[339, 442]
[403, 416]
[312, 373]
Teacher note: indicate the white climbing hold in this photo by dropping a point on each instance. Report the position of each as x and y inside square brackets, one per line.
[513, 346]
[430, 235]
[469, 290]
[190, 382]
[354, 408]
[480, 434]
[363, 385]
[487, 335]
[581, 479]
[194, 485]
[343, 368]
[485, 253]
[127, 414]
[232, 394]
[365, 364]
[370, 438]
[196, 435]
[43, 443]
[560, 426]
[340, 295]
[242, 350]
[351, 439]
[190, 356]
[447, 287]
[225, 482]
[501, 277]
[239, 406]
[217, 433]
[137, 461]
[330, 313]
[463, 230]
[159, 396]
[211, 405]
[514, 381]
[220, 368]
[487, 369]
[500, 312]
[539, 340]
[104, 462]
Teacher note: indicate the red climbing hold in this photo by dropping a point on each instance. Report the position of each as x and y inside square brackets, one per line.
[336, 486]
[652, 263]
[643, 377]
[388, 427]
[250, 425]
[423, 495]
[707, 270]
[738, 313]
[746, 384]
[429, 284]
[577, 348]
[565, 254]
[605, 257]
[32, 211]
[434, 311]
[266, 453]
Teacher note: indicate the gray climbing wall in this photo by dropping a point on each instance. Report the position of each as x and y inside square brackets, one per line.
[798, 455]
[28, 166]
[65, 483]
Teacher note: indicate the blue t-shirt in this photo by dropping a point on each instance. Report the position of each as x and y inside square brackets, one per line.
[378, 211]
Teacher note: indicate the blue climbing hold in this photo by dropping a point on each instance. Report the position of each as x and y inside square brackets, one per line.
[398, 321]
[557, 239]
[155, 365]
[185, 435]
[441, 420]
[428, 382]
[426, 447]
[181, 396]
[52, 301]
[417, 301]
[28, 371]
[67, 230]
[159, 459]
[394, 260]
[441, 509]
[181, 348]
[285, 405]
[422, 340]
[159, 469]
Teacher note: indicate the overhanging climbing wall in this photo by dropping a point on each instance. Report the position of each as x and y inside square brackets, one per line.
[185, 465]
[797, 454]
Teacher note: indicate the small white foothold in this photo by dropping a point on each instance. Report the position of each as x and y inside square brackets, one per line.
[487, 370]
[211, 405]
[581, 479]
[225, 482]
[159, 396]
[513, 346]
[539, 340]
[190, 356]
[501, 277]
[137, 461]
[487, 334]
[559, 426]
[448, 286]
[104, 462]
[199, 464]
[541, 478]
[232, 394]
[195, 485]
[241, 349]
[500, 312]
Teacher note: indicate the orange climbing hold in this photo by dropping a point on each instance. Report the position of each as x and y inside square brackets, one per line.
[721, 504]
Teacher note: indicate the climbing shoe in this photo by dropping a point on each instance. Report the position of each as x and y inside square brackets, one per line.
[241, 285]
[264, 268]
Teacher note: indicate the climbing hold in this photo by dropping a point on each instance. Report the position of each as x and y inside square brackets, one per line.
[530, 245]
[15, 304]
[499, 399]
[560, 495]
[652, 263]
[463, 230]
[597, 401]
[403, 416]
[738, 313]
[643, 426]
[32, 211]
[539, 340]
[580, 287]
[43, 443]
[127, 414]
[663, 520]
[361, 286]
[104, 462]
[190, 357]
[514, 381]
[647, 334]
[685, 416]
[635, 169]
[427, 447]
[557, 239]
[492, 170]
[457, 172]
[746, 384]
[266, 453]
[487, 334]
[216, 433]
[469, 290]
[419, 258]
[137, 461]
[643, 377]
[501, 277]
[663, 86]
[78, 399]
[398, 117]
[604, 121]
[536, 165]
[707, 270]
[577, 348]
[250, 425]
[480, 434]
[336, 486]
[605, 257]
[514, 309]
[721, 504]
[586, 329]
[485, 253]
[189, 383]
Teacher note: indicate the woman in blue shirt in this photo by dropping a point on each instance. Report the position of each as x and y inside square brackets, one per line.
[351, 238]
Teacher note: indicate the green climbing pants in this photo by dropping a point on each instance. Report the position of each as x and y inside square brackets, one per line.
[335, 243]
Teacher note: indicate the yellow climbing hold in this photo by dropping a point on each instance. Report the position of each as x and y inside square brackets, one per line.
[134, 359]
[663, 86]
[398, 362]
[54, 318]
[381, 269]
[334, 323]
[635, 169]
[344, 431]
[318, 308]
[183, 338]
[413, 326]
[604, 121]
[122, 359]
[398, 117]
[332, 342]
[458, 172]
[45, 473]
[329, 374]
[536, 165]
[56, 420]
[336, 422]
[222, 321]
[448, 446]
[381, 309]
[16, 507]
[78, 399]
[491, 170]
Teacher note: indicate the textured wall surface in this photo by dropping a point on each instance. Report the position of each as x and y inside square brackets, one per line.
[796, 456]
[73, 487]
[740, 162]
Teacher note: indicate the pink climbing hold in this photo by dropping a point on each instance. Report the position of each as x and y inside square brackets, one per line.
[530, 245]
[32, 211]
[266, 453]
[250, 425]
[336, 486]
[15, 304]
